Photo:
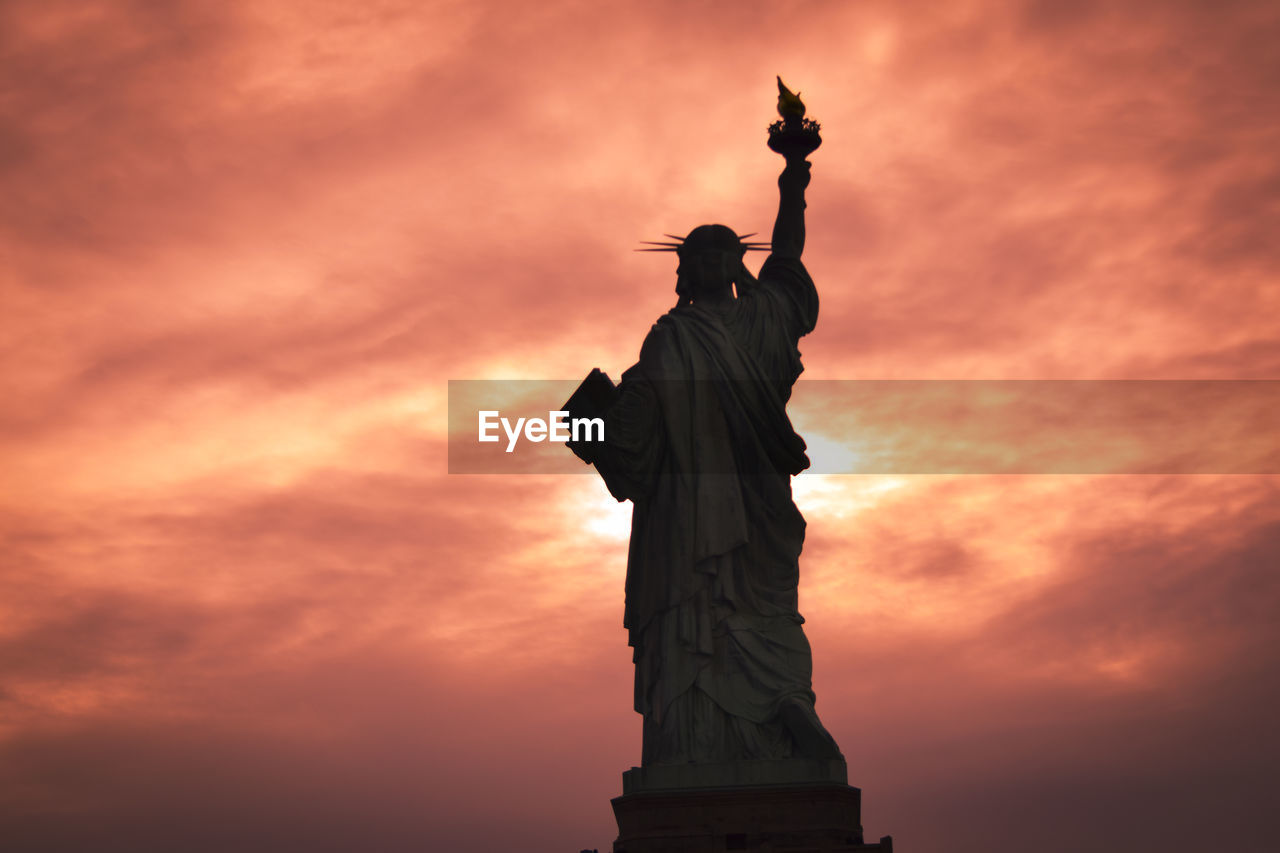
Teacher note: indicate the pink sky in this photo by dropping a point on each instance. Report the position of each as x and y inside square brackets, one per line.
[245, 246]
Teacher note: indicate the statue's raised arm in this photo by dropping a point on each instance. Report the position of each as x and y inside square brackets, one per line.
[788, 229]
[794, 137]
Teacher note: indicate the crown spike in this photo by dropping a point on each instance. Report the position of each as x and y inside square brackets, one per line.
[681, 242]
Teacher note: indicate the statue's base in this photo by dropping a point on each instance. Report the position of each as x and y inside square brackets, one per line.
[807, 815]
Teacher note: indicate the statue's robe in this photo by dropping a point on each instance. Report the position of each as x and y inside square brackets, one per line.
[700, 442]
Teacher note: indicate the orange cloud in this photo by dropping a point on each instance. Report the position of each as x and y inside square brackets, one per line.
[243, 604]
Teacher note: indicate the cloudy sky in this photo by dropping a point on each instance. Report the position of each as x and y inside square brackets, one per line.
[243, 605]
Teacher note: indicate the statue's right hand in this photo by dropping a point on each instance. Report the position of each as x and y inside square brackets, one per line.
[796, 173]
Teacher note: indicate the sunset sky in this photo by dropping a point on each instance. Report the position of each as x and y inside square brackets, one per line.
[245, 246]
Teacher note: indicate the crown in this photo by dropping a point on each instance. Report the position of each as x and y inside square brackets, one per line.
[704, 237]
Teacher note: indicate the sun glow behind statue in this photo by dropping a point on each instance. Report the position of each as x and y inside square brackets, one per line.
[609, 520]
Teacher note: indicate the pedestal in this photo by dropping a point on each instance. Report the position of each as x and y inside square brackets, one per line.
[809, 812]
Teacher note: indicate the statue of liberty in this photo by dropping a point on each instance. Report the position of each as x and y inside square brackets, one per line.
[697, 437]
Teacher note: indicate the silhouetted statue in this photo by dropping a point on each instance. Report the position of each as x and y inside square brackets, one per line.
[697, 437]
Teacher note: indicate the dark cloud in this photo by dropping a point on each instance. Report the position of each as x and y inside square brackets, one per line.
[1207, 588]
[1138, 673]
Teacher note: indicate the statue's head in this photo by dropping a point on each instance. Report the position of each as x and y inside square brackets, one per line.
[710, 258]
[710, 262]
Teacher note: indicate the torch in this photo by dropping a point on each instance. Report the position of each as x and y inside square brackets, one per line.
[793, 136]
